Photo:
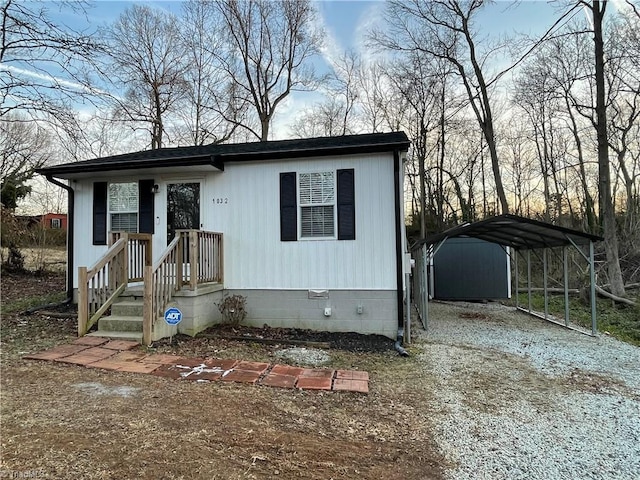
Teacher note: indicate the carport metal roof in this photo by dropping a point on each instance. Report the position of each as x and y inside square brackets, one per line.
[516, 232]
[519, 233]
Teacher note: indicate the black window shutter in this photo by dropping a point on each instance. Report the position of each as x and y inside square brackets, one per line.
[100, 213]
[146, 223]
[346, 205]
[288, 207]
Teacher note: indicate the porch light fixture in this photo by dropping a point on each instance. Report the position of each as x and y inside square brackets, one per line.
[155, 188]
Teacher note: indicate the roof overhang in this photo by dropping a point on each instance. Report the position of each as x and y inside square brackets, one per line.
[516, 232]
[215, 157]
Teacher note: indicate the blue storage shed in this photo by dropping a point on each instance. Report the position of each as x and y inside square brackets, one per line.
[471, 269]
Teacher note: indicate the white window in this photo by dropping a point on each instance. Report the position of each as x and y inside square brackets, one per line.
[123, 207]
[317, 205]
[56, 223]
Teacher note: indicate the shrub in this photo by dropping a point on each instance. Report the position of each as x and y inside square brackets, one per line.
[233, 309]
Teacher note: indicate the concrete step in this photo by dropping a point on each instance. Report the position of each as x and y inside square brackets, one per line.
[133, 336]
[120, 323]
[127, 307]
[133, 293]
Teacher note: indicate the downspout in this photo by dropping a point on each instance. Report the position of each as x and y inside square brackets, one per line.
[70, 234]
[399, 254]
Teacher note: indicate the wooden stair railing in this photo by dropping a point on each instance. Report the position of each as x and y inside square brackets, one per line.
[193, 257]
[101, 284]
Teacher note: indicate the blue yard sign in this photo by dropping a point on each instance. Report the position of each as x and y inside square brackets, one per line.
[172, 316]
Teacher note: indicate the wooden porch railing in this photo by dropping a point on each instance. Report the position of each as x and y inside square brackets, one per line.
[139, 252]
[193, 257]
[101, 284]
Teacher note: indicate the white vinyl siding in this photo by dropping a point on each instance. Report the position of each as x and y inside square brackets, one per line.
[249, 217]
[317, 205]
[123, 207]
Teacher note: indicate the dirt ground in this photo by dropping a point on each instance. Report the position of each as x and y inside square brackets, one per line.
[63, 421]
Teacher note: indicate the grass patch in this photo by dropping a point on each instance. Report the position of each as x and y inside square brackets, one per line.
[621, 321]
[22, 304]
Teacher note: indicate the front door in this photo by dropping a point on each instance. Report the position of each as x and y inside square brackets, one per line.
[183, 208]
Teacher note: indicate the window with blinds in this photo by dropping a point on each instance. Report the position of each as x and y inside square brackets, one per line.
[123, 207]
[317, 205]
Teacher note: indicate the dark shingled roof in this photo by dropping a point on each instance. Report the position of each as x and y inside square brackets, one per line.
[517, 232]
[218, 155]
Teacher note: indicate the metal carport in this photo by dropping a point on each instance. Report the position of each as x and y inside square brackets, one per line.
[520, 234]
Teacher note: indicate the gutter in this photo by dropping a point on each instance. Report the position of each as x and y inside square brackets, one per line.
[399, 254]
[70, 234]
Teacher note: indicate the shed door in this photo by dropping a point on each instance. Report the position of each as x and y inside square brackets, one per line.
[183, 208]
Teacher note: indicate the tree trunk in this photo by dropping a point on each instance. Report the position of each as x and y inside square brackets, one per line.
[607, 213]
[264, 133]
[588, 200]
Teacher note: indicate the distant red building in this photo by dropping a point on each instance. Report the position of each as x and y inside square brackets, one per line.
[54, 220]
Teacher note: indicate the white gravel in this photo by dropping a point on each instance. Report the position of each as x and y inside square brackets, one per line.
[519, 398]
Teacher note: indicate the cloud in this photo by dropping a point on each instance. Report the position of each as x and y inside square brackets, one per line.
[372, 18]
[331, 50]
[53, 80]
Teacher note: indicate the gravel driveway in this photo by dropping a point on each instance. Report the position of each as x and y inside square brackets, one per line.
[520, 398]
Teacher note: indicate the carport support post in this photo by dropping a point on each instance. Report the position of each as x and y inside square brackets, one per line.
[566, 285]
[544, 281]
[515, 260]
[592, 275]
[426, 288]
[407, 327]
[529, 277]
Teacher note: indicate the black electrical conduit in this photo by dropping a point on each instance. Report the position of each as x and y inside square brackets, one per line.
[399, 254]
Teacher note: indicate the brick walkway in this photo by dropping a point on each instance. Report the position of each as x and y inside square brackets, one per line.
[97, 352]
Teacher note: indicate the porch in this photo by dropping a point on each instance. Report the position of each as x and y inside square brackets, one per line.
[189, 275]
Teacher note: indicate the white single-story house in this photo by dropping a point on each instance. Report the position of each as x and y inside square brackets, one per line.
[310, 231]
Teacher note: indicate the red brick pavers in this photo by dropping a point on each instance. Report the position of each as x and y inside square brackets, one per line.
[361, 386]
[245, 372]
[315, 379]
[281, 381]
[90, 341]
[242, 376]
[87, 356]
[121, 344]
[56, 352]
[195, 368]
[286, 370]
[117, 355]
[282, 376]
[161, 358]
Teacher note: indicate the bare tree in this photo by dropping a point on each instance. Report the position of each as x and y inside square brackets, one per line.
[32, 46]
[336, 114]
[623, 87]
[24, 147]
[271, 42]
[607, 214]
[444, 29]
[211, 109]
[146, 61]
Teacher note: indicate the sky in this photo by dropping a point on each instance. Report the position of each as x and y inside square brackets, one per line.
[345, 22]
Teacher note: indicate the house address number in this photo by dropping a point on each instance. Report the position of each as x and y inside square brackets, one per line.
[221, 200]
